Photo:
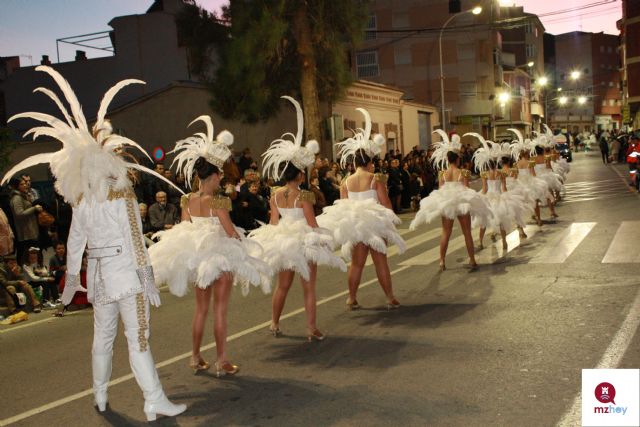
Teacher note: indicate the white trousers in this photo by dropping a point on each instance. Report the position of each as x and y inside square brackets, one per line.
[134, 311]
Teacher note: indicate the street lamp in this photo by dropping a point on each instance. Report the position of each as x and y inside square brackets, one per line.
[476, 11]
[575, 75]
[530, 64]
[563, 100]
[582, 100]
[504, 97]
[542, 81]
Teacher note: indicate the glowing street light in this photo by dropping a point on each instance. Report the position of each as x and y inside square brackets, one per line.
[563, 100]
[559, 89]
[542, 81]
[476, 11]
[575, 75]
[582, 100]
[504, 97]
[530, 64]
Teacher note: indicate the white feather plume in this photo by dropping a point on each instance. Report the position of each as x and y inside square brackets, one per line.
[190, 149]
[348, 148]
[483, 155]
[439, 156]
[85, 167]
[289, 149]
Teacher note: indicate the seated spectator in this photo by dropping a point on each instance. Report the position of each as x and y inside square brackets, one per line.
[6, 235]
[162, 215]
[12, 281]
[37, 274]
[58, 262]
[147, 230]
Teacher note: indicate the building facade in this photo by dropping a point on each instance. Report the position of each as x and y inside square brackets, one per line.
[629, 51]
[396, 53]
[588, 79]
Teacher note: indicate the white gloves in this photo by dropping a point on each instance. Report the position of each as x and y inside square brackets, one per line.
[145, 274]
[71, 286]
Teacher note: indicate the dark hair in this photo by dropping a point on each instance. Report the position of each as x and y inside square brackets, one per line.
[205, 169]
[290, 172]
[539, 150]
[361, 158]
[322, 172]
[507, 160]
[492, 164]
[58, 243]
[452, 157]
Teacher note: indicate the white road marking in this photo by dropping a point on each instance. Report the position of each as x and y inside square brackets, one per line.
[494, 251]
[624, 246]
[609, 360]
[560, 248]
[89, 392]
[28, 324]
[433, 255]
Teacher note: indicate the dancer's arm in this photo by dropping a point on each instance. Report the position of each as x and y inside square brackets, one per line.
[275, 215]
[307, 199]
[381, 190]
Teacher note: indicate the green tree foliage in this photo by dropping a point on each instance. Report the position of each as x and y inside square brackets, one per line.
[262, 55]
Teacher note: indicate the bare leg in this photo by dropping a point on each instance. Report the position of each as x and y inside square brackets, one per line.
[383, 273]
[503, 234]
[309, 289]
[203, 298]
[482, 231]
[523, 235]
[465, 224]
[221, 294]
[358, 258]
[447, 228]
[552, 208]
[285, 279]
[537, 210]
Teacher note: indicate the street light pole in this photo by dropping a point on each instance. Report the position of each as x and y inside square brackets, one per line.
[476, 11]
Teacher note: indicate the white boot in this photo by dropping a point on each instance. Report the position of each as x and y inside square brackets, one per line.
[101, 365]
[155, 401]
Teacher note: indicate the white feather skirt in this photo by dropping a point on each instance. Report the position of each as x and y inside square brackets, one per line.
[452, 200]
[361, 221]
[553, 181]
[515, 186]
[562, 168]
[292, 245]
[536, 187]
[197, 253]
[509, 209]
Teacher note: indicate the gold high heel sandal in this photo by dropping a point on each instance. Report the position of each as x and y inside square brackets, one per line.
[226, 368]
[393, 304]
[202, 365]
[352, 305]
[315, 335]
[275, 331]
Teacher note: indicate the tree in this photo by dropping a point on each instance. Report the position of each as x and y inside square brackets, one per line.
[285, 47]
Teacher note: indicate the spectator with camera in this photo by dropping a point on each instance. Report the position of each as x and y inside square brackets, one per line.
[25, 216]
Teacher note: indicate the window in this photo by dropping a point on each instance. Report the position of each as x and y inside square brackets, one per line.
[586, 71]
[402, 55]
[535, 31]
[618, 103]
[400, 20]
[370, 29]
[367, 63]
[531, 51]
[604, 102]
[612, 102]
[528, 28]
[468, 89]
[610, 84]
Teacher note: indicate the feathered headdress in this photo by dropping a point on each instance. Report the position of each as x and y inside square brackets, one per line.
[520, 144]
[551, 138]
[88, 165]
[439, 156]
[360, 140]
[484, 154]
[203, 145]
[289, 149]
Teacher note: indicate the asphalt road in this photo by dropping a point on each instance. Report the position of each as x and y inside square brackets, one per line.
[501, 346]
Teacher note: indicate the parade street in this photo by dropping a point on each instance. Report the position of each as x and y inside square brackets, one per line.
[504, 345]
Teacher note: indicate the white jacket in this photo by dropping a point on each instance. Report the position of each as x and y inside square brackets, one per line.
[118, 261]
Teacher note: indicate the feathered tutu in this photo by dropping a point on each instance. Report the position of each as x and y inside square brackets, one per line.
[547, 175]
[515, 186]
[537, 188]
[508, 208]
[562, 168]
[361, 221]
[452, 200]
[292, 245]
[199, 252]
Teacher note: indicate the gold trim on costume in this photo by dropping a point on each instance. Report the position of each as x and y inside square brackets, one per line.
[484, 175]
[465, 173]
[380, 177]
[141, 314]
[307, 196]
[220, 201]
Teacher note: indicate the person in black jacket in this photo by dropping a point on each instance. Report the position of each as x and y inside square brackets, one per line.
[394, 184]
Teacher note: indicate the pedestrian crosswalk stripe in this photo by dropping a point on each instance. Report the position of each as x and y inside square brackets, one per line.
[433, 254]
[624, 246]
[563, 245]
[585, 191]
[494, 251]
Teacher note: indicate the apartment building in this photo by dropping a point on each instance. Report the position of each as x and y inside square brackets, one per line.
[629, 52]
